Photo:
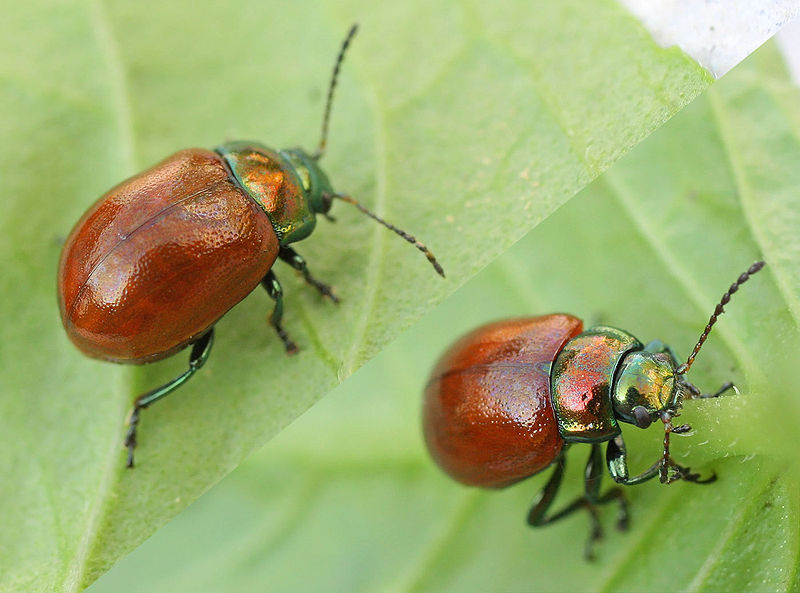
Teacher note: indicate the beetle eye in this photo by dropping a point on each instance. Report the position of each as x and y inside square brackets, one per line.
[327, 202]
[641, 416]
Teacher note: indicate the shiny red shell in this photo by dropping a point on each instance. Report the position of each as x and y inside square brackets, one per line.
[160, 258]
[488, 417]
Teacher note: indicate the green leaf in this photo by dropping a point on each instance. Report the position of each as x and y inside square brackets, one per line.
[466, 124]
[347, 499]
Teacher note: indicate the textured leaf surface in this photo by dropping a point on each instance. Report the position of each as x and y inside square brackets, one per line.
[650, 247]
[466, 123]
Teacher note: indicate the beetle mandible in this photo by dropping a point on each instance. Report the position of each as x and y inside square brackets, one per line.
[159, 259]
[505, 401]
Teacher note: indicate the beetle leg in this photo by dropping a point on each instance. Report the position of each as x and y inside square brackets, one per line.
[592, 478]
[294, 259]
[590, 500]
[684, 473]
[593, 475]
[691, 391]
[721, 391]
[198, 357]
[617, 494]
[536, 516]
[617, 459]
[273, 287]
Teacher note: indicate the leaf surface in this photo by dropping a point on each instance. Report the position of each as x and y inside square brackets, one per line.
[650, 247]
[465, 123]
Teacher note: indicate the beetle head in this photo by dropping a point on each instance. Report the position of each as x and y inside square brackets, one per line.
[646, 385]
[315, 183]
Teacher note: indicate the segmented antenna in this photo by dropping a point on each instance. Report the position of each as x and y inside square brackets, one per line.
[410, 238]
[323, 141]
[720, 309]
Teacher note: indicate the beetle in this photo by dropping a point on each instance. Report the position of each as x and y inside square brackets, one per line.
[505, 401]
[159, 259]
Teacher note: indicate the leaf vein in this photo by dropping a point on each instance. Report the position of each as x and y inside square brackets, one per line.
[749, 208]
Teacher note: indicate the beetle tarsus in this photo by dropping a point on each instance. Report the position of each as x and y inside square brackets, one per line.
[692, 392]
[673, 472]
[291, 347]
[133, 423]
[595, 534]
[130, 437]
[324, 289]
[729, 386]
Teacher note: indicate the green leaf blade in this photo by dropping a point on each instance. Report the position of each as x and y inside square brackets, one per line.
[649, 247]
[97, 91]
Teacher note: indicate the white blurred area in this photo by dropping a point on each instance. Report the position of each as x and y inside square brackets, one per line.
[789, 42]
[717, 33]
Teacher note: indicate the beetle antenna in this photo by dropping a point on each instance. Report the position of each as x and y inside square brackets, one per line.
[410, 238]
[719, 310]
[323, 141]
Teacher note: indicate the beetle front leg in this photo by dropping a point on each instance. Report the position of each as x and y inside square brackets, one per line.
[617, 460]
[669, 471]
[294, 259]
[198, 357]
[693, 392]
[273, 288]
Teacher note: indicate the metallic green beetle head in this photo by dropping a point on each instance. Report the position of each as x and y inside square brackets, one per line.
[316, 186]
[646, 385]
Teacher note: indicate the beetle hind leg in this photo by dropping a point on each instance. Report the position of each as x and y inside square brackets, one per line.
[294, 259]
[198, 357]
